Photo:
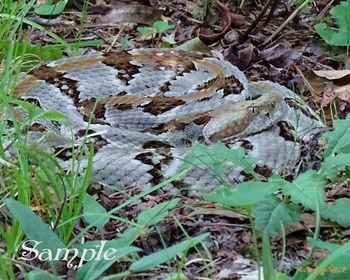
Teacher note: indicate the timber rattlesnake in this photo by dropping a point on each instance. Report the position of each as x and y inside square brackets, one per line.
[145, 110]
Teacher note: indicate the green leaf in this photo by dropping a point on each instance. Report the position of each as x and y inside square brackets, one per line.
[162, 26]
[268, 262]
[34, 228]
[271, 213]
[331, 166]
[306, 189]
[153, 260]
[41, 275]
[129, 235]
[93, 212]
[246, 193]
[145, 30]
[341, 14]
[339, 138]
[36, 112]
[50, 9]
[337, 212]
[218, 156]
[94, 268]
[46, 53]
[157, 213]
[336, 266]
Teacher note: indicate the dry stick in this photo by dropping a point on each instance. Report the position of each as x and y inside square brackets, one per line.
[244, 37]
[272, 10]
[287, 21]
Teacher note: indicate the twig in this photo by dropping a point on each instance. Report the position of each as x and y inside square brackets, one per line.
[287, 21]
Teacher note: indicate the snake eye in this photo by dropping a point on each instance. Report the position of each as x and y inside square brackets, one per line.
[253, 111]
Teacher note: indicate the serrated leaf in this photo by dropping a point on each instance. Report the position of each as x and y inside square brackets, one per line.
[218, 157]
[307, 189]
[337, 212]
[339, 138]
[271, 213]
[157, 213]
[94, 212]
[341, 14]
[331, 166]
[246, 193]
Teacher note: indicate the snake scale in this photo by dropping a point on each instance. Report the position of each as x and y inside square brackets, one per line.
[146, 109]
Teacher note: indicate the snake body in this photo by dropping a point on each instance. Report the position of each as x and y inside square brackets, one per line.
[145, 110]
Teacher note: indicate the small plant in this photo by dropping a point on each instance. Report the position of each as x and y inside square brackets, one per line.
[159, 27]
[269, 214]
[341, 13]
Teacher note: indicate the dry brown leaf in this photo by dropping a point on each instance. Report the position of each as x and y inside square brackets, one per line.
[340, 80]
[280, 55]
[343, 93]
[333, 74]
[328, 94]
[207, 35]
[308, 221]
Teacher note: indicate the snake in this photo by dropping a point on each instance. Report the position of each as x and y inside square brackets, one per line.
[144, 111]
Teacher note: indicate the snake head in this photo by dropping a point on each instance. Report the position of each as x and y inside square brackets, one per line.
[245, 118]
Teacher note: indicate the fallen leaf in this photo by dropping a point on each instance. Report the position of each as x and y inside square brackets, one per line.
[207, 35]
[343, 93]
[328, 94]
[280, 55]
[241, 55]
[340, 80]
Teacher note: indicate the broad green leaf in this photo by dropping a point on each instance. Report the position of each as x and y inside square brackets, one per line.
[96, 266]
[41, 275]
[218, 157]
[341, 37]
[155, 259]
[46, 53]
[271, 213]
[246, 193]
[162, 26]
[338, 212]
[93, 212]
[336, 266]
[145, 30]
[306, 189]
[34, 228]
[331, 166]
[339, 138]
[50, 9]
[129, 235]
[157, 213]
